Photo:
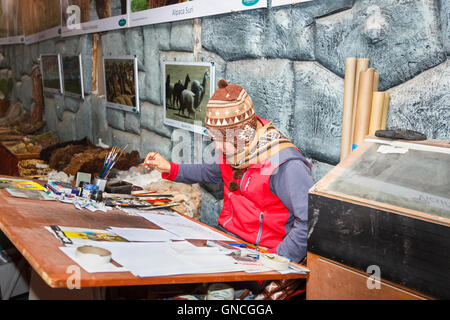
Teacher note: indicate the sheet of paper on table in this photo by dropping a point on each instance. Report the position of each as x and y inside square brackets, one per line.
[183, 227]
[150, 259]
[144, 235]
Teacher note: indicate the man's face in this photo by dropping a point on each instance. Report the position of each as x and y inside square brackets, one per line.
[225, 144]
[225, 147]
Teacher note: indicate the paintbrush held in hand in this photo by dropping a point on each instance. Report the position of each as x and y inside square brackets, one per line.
[143, 165]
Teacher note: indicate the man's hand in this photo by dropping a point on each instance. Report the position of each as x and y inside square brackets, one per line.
[157, 161]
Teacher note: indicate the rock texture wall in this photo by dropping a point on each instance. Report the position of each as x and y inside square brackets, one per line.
[291, 61]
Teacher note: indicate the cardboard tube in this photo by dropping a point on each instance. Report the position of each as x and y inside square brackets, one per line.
[376, 114]
[363, 106]
[385, 111]
[376, 81]
[362, 64]
[347, 110]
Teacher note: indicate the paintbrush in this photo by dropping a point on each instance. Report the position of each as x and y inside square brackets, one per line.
[152, 158]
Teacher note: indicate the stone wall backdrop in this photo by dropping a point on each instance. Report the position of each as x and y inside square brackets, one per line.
[291, 61]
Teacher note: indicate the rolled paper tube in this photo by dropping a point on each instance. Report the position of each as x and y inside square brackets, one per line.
[362, 64]
[377, 112]
[376, 81]
[363, 106]
[349, 88]
[385, 111]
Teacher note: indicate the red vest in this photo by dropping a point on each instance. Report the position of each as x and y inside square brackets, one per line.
[253, 212]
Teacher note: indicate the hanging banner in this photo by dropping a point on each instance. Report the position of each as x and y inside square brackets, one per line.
[277, 3]
[41, 20]
[89, 16]
[11, 28]
[145, 12]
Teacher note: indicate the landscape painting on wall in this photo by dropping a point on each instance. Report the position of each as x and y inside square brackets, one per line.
[73, 76]
[51, 72]
[188, 87]
[121, 83]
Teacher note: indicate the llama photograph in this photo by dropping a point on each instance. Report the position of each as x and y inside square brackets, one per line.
[187, 91]
[51, 72]
[140, 5]
[72, 76]
[121, 82]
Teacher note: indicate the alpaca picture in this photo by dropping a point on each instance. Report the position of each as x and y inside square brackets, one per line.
[187, 91]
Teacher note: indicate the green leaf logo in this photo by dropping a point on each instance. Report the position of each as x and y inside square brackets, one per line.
[249, 3]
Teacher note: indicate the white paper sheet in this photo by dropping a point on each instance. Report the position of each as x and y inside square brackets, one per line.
[144, 235]
[149, 259]
[183, 227]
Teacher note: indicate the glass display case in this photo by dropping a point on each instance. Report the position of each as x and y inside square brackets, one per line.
[388, 205]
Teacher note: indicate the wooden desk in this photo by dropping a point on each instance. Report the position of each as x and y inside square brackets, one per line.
[23, 222]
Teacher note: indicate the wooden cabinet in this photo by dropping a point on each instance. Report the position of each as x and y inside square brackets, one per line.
[330, 280]
[386, 210]
[9, 160]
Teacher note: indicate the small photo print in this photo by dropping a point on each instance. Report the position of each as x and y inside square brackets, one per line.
[72, 76]
[51, 72]
[188, 87]
[121, 83]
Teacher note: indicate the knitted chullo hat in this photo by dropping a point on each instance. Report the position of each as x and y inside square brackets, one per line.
[230, 109]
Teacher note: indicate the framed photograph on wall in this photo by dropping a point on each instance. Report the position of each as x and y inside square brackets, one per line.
[144, 12]
[187, 87]
[51, 73]
[121, 83]
[89, 16]
[72, 70]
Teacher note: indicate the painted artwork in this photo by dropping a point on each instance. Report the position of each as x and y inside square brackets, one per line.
[42, 19]
[145, 12]
[88, 16]
[51, 72]
[73, 76]
[121, 83]
[188, 87]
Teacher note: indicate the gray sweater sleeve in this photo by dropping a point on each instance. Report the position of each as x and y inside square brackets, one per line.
[291, 183]
[199, 173]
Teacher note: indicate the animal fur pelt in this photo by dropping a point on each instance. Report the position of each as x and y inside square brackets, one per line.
[47, 152]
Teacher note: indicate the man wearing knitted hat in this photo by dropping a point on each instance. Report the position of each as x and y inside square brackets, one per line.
[266, 178]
